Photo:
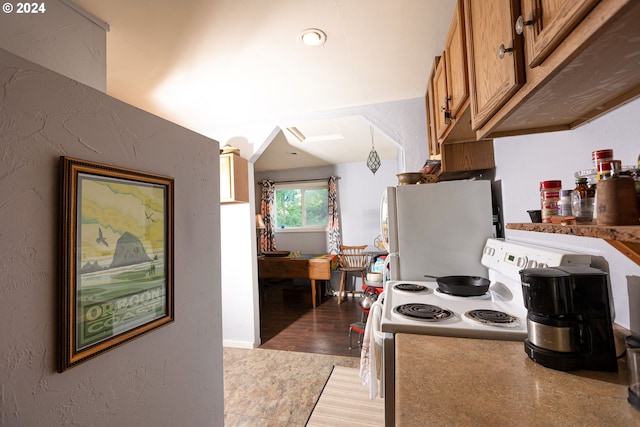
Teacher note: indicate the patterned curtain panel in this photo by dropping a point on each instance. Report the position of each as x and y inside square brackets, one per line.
[267, 236]
[335, 237]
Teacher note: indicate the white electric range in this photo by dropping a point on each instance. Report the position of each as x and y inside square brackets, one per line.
[421, 308]
[501, 310]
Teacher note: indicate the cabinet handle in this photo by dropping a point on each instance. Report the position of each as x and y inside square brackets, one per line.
[447, 117]
[520, 24]
[502, 50]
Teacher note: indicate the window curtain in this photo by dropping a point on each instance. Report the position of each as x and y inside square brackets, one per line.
[335, 237]
[267, 236]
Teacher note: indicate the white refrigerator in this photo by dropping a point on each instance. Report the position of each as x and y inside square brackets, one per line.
[436, 229]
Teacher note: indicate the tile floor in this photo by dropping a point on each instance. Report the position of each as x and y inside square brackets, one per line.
[275, 388]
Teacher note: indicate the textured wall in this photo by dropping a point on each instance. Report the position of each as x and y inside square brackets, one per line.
[172, 376]
[59, 39]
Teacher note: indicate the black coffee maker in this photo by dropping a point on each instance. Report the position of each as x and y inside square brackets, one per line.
[569, 318]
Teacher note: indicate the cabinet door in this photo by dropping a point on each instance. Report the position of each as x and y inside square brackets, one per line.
[547, 22]
[456, 54]
[441, 98]
[434, 145]
[495, 56]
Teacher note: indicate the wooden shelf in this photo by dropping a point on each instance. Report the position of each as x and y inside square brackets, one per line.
[625, 238]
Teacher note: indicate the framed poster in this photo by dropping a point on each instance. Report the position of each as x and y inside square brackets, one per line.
[117, 257]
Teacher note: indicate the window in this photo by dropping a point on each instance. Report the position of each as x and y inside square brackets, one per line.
[302, 206]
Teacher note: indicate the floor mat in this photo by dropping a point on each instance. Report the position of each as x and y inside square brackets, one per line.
[344, 401]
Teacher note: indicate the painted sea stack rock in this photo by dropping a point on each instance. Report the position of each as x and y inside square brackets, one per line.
[129, 251]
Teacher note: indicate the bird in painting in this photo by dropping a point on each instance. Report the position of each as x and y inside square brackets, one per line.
[101, 238]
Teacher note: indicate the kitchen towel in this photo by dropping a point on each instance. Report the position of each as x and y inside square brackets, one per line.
[371, 354]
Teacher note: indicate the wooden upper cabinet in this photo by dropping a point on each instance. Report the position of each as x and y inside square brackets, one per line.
[234, 179]
[495, 56]
[434, 145]
[451, 84]
[456, 56]
[580, 61]
[451, 139]
[545, 23]
[442, 113]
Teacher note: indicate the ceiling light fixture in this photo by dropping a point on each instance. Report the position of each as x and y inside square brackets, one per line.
[297, 133]
[313, 37]
[373, 161]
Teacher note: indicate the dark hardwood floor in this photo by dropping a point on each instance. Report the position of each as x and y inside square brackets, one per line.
[288, 322]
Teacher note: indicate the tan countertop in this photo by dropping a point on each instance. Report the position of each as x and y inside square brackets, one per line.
[443, 381]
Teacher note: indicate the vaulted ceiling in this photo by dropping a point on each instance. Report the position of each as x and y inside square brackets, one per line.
[236, 70]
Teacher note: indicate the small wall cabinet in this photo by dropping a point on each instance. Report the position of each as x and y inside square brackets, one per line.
[234, 179]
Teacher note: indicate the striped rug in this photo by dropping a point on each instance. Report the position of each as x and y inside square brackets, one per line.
[344, 401]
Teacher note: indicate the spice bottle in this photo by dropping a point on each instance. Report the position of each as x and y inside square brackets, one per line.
[582, 201]
[564, 205]
[549, 198]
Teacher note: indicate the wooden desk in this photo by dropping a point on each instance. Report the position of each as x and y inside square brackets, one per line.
[302, 267]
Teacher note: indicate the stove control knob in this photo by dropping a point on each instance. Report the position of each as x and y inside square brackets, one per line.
[532, 264]
[488, 250]
[542, 265]
[522, 261]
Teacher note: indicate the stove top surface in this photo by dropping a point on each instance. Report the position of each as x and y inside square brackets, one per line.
[498, 314]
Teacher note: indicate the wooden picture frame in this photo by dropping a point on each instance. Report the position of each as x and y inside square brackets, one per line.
[117, 257]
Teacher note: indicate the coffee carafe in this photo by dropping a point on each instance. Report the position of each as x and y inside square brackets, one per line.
[633, 362]
[569, 318]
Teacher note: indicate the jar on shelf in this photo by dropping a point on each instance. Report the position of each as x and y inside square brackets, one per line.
[599, 156]
[583, 201]
[549, 198]
[617, 200]
[564, 205]
[608, 169]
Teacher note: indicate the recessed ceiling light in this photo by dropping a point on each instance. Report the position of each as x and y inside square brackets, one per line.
[313, 37]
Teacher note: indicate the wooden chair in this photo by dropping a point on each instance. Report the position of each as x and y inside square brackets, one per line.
[351, 259]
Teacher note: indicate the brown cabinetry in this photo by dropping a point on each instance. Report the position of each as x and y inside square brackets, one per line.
[467, 156]
[441, 99]
[495, 56]
[434, 145]
[451, 85]
[545, 23]
[234, 179]
[573, 61]
[451, 138]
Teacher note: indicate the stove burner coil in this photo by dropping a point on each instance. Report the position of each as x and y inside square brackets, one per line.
[491, 317]
[426, 312]
[410, 287]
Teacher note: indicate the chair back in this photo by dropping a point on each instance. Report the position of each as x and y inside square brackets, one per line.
[352, 257]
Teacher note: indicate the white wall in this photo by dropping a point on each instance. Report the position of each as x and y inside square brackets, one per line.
[171, 376]
[59, 39]
[240, 311]
[523, 161]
